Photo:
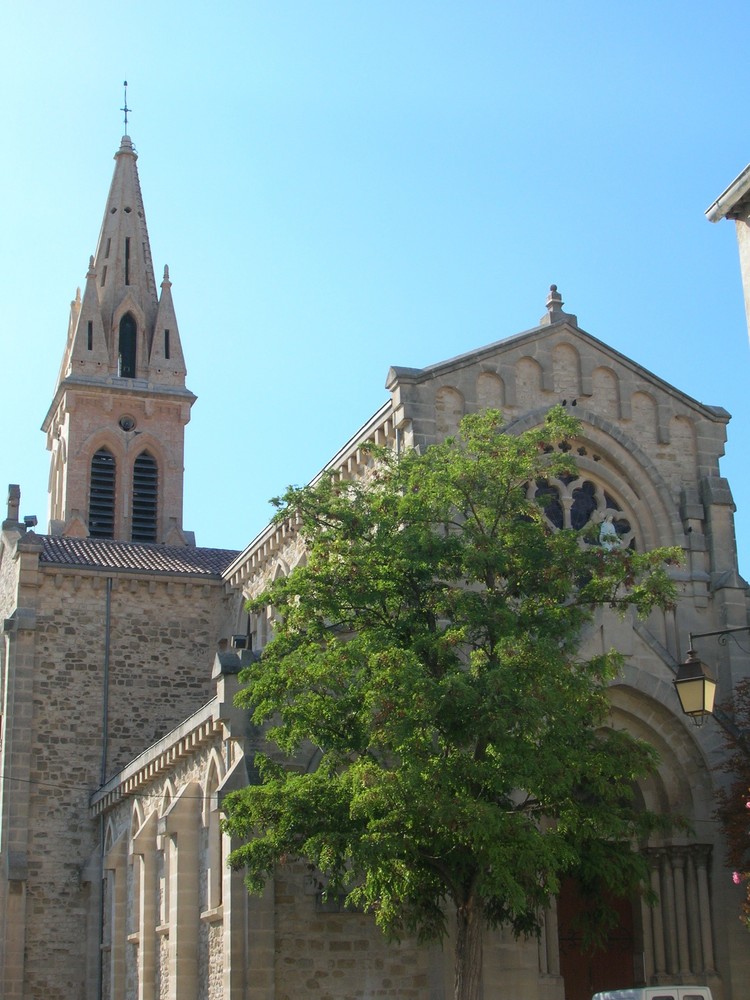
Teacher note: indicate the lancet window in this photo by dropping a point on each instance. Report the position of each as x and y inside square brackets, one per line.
[126, 351]
[145, 497]
[102, 495]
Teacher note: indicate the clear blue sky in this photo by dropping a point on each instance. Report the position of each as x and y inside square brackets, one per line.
[343, 186]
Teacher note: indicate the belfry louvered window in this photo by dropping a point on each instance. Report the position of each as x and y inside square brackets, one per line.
[145, 494]
[102, 495]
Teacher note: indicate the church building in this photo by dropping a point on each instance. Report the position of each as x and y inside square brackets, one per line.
[123, 641]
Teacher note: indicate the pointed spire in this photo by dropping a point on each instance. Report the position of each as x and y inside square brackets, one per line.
[166, 361]
[122, 368]
[75, 308]
[123, 254]
[75, 312]
[90, 354]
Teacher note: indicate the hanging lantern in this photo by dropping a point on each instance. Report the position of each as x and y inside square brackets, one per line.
[696, 688]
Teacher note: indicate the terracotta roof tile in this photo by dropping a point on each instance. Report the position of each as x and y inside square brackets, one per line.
[102, 553]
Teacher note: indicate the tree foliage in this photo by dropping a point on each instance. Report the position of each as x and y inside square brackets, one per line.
[429, 651]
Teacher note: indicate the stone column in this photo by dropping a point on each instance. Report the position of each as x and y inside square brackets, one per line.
[115, 861]
[235, 900]
[648, 940]
[144, 846]
[668, 910]
[683, 948]
[179, 826]
[693, 913]
[702, 856]
[17, 708]
[261, 943]
[657, 918]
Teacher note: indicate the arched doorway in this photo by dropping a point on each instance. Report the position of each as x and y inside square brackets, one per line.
[586, 971]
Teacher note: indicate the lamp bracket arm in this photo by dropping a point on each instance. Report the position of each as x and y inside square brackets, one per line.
[723, 633]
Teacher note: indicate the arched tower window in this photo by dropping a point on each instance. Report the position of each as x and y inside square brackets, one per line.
[102, 495]
[126, 346]
[145, 494]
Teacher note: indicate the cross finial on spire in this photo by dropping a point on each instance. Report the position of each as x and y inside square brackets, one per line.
[126, 108]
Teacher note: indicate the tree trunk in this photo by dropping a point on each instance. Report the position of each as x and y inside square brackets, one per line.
[468, 965]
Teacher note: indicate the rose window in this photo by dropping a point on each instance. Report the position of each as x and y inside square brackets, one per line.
[575, 502]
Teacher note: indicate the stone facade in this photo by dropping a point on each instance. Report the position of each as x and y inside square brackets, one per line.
[120, 739]
[638, 472]
[164, 855]
[97, 665]
[649, 456]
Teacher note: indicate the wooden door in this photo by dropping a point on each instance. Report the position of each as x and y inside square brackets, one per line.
[586, 971]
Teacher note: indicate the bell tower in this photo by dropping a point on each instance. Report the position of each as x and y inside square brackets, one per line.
[117, 420]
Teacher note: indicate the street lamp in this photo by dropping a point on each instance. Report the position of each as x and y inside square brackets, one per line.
[694, 683]
[696, 688]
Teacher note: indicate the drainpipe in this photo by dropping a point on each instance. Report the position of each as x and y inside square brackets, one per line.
[105, 681]
[103, 776]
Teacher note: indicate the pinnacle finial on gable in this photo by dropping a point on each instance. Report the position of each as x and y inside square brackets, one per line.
[14, 504]
[554, 299]
[555, 312]
[165, 280]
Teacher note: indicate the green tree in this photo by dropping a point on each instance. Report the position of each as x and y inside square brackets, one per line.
[429, 650]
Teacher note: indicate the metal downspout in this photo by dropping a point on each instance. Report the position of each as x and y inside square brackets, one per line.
[105, 681]
[103, 776]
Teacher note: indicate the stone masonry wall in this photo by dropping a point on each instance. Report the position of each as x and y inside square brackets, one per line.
[338, 955]
[162, 638]
[124, 818]
[8, 576]
[88, 421]
[519, 377]
[318, 949]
